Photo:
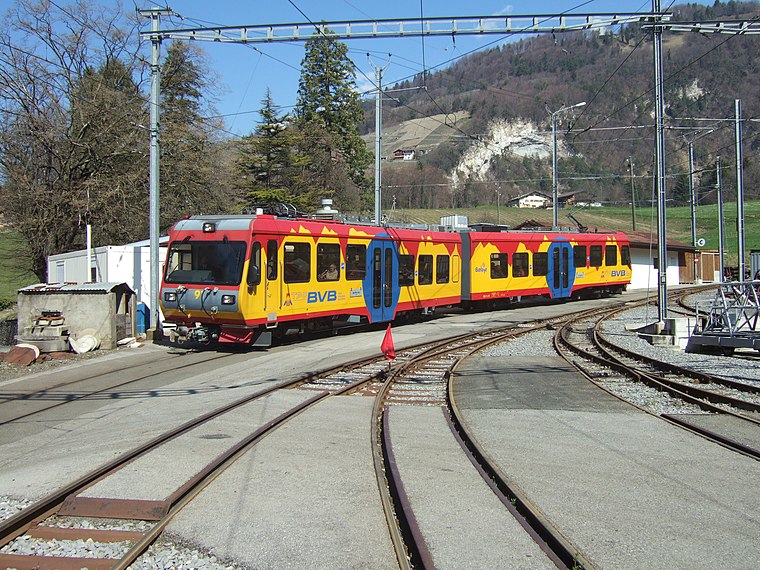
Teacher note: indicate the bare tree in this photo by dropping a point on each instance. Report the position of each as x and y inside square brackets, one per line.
[71, 146]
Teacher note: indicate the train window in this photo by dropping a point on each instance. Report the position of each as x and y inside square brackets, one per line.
[455, 268]
[254, 265]
[328, 262]
[442, 269]
[425, 270]
[297, 261]
[499, 265]
[519, 265]
[272, 259]
[218, 263]
[579, 255]
[595, 255]
[610, 255]
[540, 263]
[625, 255]
[388, 279]
[406, 270]
[356, 261]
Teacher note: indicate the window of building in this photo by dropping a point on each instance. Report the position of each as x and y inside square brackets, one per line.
[520, 265]
[499, 265]
[595, 255]
[540, 263]
[328, 262]
[425, 270]
[442, 269]
[297, 261]
[406, 270]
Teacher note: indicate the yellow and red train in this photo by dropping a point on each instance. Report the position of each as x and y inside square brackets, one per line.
[245, 279]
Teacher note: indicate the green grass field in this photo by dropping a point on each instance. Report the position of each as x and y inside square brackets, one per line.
[14, 267]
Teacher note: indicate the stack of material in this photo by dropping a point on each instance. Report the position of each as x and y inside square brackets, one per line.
[49, 332]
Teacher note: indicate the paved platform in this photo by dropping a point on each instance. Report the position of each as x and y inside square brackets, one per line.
[462, 521]
[305, 497]
[630, 490]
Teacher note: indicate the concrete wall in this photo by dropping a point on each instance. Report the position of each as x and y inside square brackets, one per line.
[108, 316]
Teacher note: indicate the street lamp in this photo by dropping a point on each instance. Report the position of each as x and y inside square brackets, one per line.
[555, 203]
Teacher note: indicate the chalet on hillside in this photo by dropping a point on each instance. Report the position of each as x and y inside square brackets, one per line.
[404, 154]
[541, 200]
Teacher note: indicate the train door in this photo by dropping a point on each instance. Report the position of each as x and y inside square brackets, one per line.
[561, 275]
[273, 294]
[382, 281]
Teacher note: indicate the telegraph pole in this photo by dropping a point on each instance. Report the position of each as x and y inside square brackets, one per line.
[739, 189]
[378, 145]
[721, 240]
[155, 92]
[633, 195]
[662, 254]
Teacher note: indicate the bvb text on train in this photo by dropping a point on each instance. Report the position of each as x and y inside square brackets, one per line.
[250, 278]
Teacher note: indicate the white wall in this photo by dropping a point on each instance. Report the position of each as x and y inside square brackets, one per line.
[128, 264]
[644, 275]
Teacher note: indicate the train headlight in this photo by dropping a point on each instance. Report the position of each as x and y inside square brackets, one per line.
[228, 299]
[209, 227]
[170, 296]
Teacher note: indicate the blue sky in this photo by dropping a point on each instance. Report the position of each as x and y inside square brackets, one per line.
[244, 72]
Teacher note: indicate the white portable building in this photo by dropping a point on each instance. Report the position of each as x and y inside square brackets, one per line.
[128, 264]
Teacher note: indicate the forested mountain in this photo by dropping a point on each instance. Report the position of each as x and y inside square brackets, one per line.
[510, 90]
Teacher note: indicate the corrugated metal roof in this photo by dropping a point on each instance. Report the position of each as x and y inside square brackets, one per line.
[74, 288]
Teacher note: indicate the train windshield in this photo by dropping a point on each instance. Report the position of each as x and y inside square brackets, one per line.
[206, 262]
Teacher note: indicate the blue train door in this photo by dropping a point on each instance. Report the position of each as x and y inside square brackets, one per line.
[560, 278]
[383, 281]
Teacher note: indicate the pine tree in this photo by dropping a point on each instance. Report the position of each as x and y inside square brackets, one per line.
[189, 149]
[271, 163]
[328, 110]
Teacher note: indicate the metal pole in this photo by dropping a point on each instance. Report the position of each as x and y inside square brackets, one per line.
[153, 222]
[721, 245]
[498, 211]
[633, 195]
[662, 279]
[739, 189]
[378, 145]
[555, 212]
[693, 198]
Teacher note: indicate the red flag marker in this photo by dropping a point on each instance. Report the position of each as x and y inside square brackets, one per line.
[387, 345]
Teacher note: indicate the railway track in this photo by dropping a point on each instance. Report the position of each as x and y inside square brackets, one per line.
[61, 387]
[418, 377]
[69, 503]
[423, 381]
[130, 526]
[581, 343]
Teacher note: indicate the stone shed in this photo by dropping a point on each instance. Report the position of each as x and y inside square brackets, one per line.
[103, 310]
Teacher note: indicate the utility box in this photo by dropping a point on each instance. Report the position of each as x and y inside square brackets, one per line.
[456, 222]
[103, 310]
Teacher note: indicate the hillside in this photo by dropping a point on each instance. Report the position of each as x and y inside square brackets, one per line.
[511, 87]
